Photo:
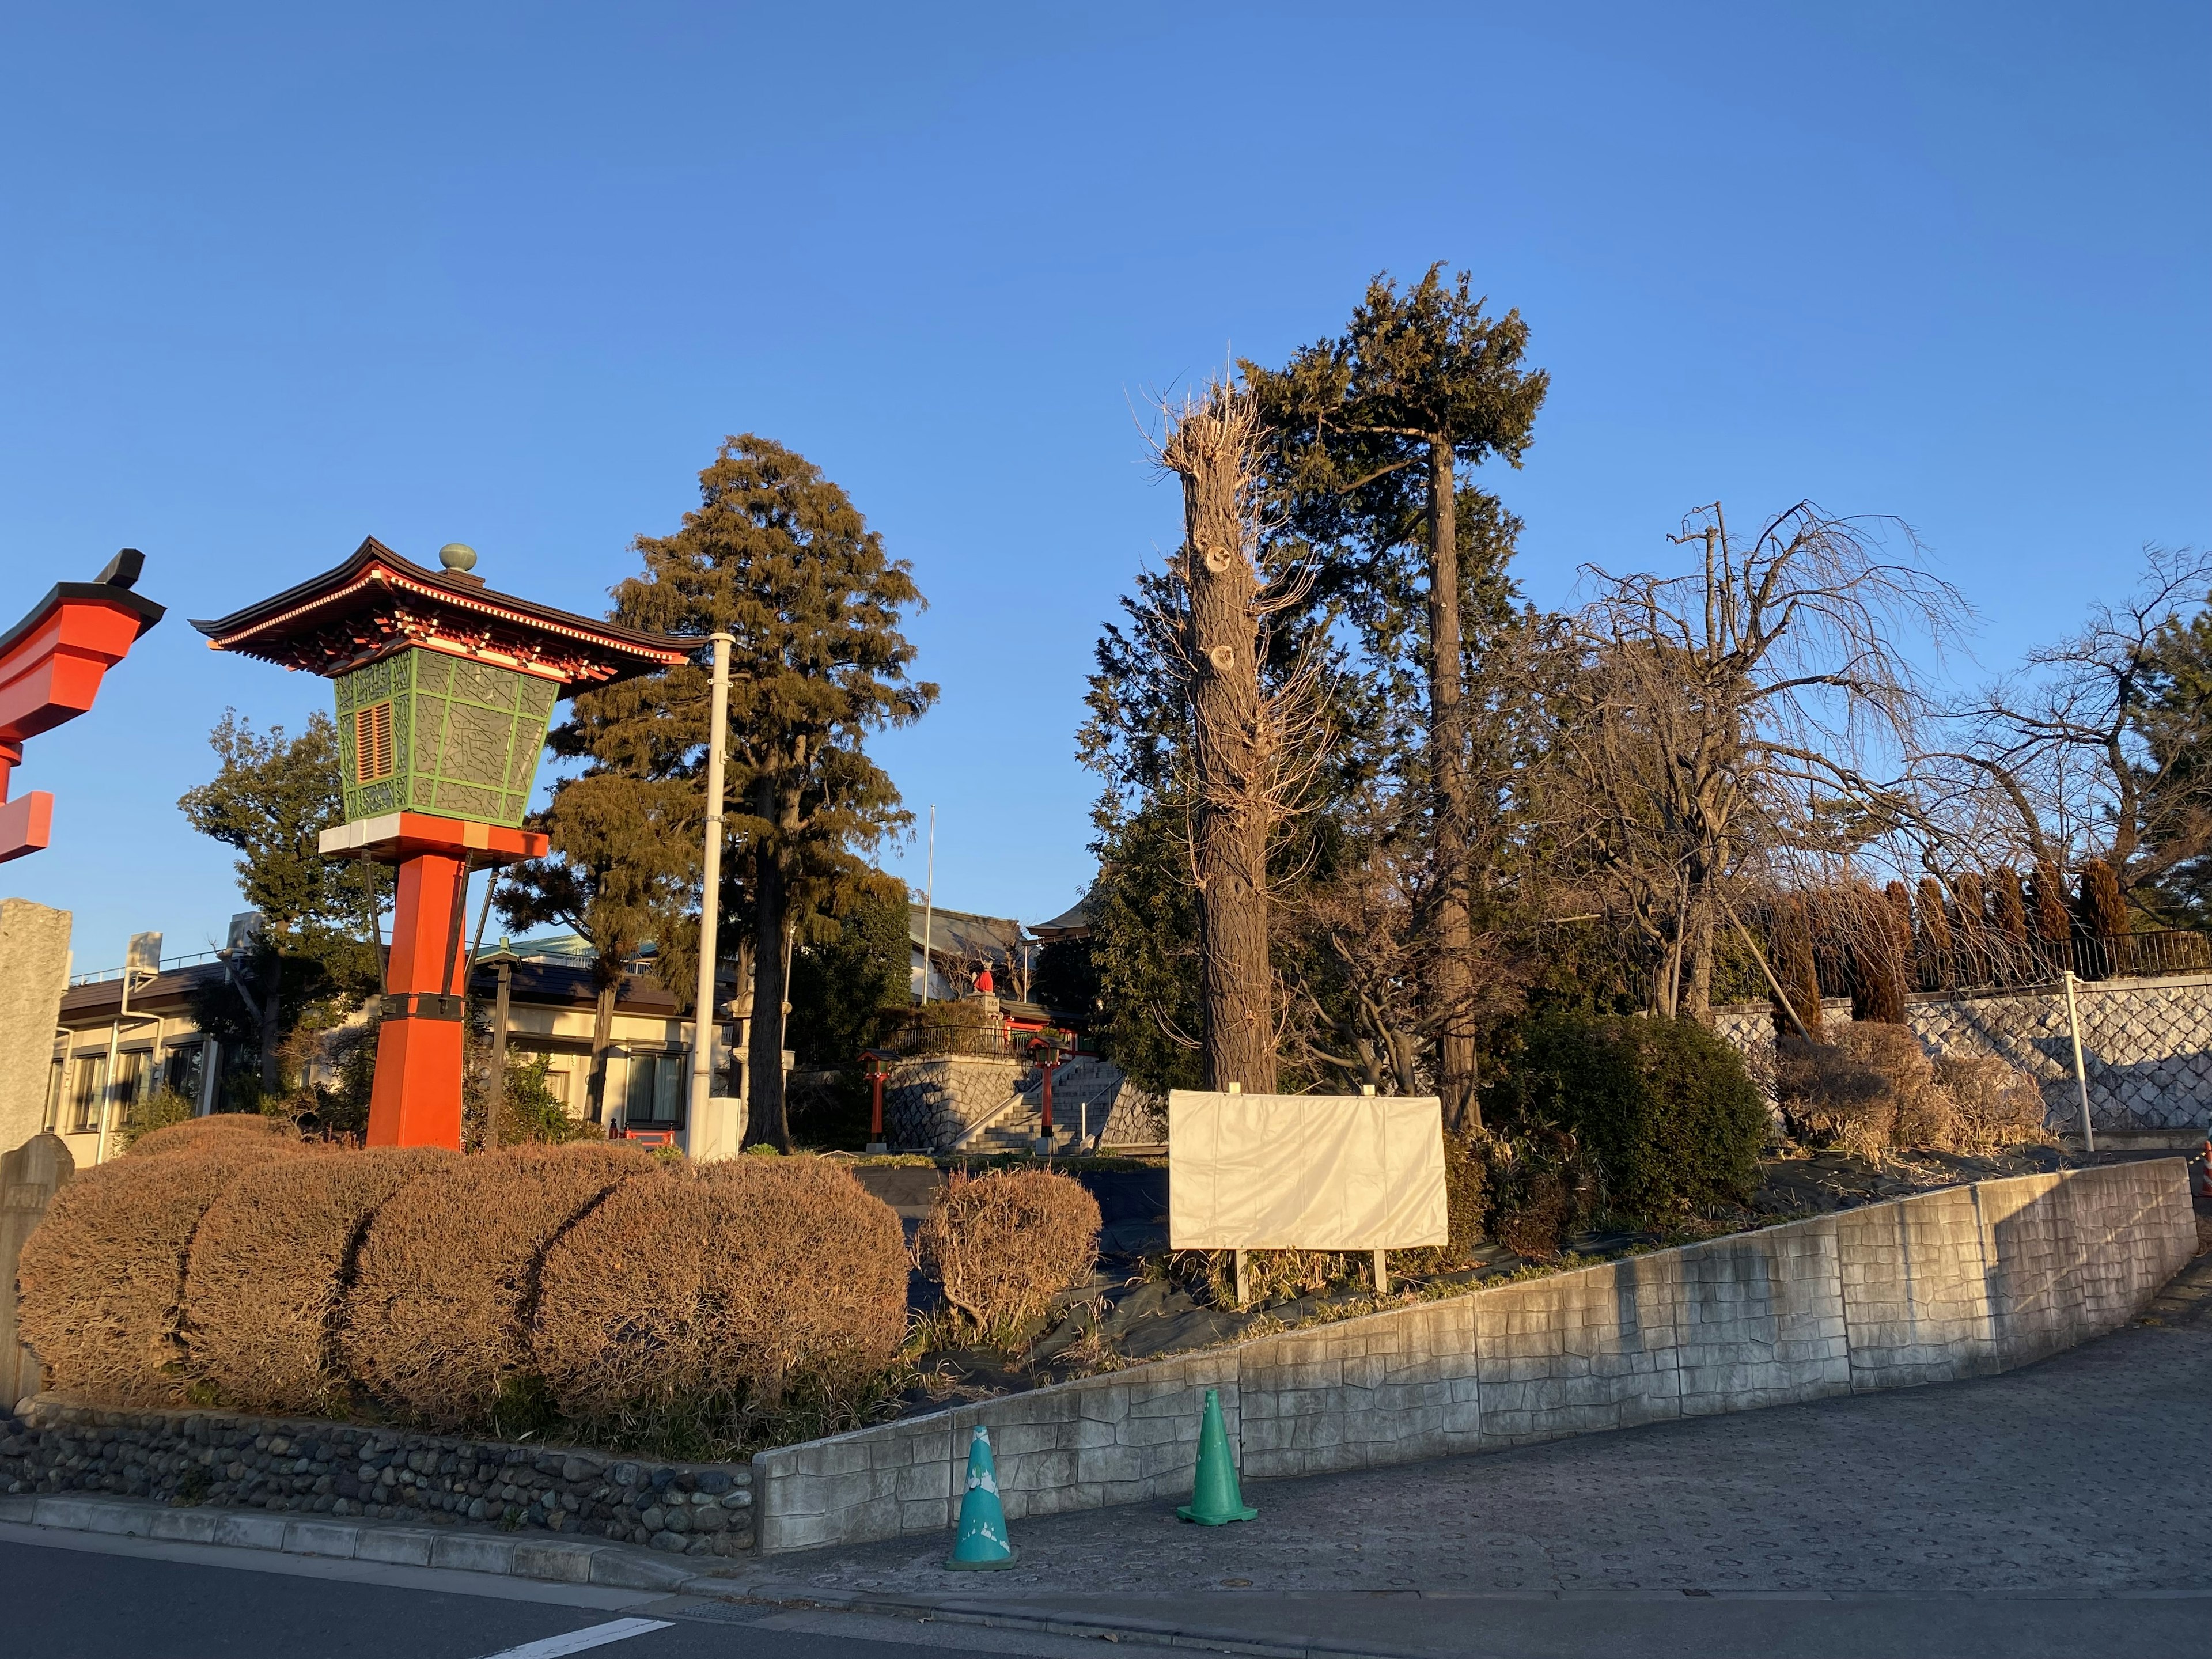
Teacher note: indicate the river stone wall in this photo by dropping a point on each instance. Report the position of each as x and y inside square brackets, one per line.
[1960, 1282]
[2146, 1046]
[189, 1457]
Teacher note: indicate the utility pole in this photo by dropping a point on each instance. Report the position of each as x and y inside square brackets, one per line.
[710, 896]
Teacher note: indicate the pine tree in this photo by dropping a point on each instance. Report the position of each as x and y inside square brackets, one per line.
[1373, 427]
[778, 556]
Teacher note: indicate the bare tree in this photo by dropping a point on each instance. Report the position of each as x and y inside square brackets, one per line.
[1751, 712]
[2061, 747]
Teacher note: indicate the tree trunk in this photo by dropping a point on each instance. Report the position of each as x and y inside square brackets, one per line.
[1232, 745]
[764, 1118]
[603, 1030]
[272, 1014]
[1447, 967]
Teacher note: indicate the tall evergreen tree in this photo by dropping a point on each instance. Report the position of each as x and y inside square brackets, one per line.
[1373, 426]
[777, 556]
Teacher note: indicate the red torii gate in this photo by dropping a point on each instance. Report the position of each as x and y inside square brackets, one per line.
[51, 663]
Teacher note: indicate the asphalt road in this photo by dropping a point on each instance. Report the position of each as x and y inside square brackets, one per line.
[68, 1596]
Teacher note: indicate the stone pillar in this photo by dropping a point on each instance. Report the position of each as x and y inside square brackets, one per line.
[33, 972]
[29, 1177]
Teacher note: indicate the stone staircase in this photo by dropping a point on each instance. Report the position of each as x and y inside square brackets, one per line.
[1083, 1091]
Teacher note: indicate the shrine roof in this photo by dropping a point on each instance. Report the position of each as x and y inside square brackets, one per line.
[377, 603]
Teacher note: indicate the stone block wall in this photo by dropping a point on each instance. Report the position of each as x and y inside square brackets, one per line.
[52, 1445]
[2146, 1045]
[1950, 1283]
[928, 1104]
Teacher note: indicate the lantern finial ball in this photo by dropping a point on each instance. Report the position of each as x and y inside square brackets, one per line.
[458, 556]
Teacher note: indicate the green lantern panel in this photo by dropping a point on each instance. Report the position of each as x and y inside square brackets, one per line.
[424, 732]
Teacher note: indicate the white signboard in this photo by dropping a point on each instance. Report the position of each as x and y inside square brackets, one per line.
[1304, 1172]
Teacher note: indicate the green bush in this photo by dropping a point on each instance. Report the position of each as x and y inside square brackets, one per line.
[154, 1108]
[1661, 1109]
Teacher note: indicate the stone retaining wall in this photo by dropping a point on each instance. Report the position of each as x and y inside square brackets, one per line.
[2146, 1046]
[928, 1104]
[52, 1445]
[1956, 1283]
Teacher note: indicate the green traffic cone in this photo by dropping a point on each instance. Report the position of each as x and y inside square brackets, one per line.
[1214, 1499]
[982, 1545]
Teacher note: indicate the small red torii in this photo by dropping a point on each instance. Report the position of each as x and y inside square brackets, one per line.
[51, 666]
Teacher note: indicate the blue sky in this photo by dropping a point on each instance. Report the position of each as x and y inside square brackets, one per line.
[274, 278]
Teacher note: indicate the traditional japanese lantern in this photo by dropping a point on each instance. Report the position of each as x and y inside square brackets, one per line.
[444, 691]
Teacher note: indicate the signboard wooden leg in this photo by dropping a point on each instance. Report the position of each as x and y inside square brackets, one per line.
[1382, 1273]
[1243, 1281]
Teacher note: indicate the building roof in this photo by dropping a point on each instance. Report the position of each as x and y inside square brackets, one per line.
[964, 934]
[1074, 922]
[377, 603]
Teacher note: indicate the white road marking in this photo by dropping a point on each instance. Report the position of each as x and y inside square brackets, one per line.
[576, 1641]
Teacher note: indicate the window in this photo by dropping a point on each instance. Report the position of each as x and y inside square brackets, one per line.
[181, 1071]
[129, 1073]
[55, 1076]
[371, 742]
[84, 1093]
[655, 1093]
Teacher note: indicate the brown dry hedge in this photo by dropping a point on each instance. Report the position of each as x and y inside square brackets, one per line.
[226, 1129]
[731, 1277]
[102, 1277]
[269, 1266]
[438, 1315]
[1002, 1244]
[1998, 1105]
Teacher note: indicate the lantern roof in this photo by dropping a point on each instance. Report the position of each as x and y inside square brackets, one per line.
[376, 604]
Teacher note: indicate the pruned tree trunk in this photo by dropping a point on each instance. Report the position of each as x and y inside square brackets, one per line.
[1211, 449]
[1447, 967]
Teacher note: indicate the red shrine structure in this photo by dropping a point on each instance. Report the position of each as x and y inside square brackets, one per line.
[444, 690]
[51, 663]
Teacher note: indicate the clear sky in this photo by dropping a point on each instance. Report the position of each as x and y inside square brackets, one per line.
[274, 278]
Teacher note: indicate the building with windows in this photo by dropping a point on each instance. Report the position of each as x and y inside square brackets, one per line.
[110, 1048]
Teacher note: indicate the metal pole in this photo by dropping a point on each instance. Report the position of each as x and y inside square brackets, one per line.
[495, 1087]
[710, 896]
[929, 903]
[2080, 1071]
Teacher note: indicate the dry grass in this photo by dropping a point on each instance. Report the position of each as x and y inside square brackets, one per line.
[269, 1266]
[730, 1280]
[1003, 1244]
[438, 1317]
[102, 1277]
[233, 1130]
[1997, 1105]
[1874, 1089]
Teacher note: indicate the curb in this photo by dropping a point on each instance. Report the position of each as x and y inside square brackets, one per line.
[614, 1566]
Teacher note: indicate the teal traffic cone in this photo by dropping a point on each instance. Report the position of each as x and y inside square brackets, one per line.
[982, 1545]
[1214, 1499]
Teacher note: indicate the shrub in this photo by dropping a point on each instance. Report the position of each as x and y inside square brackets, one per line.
[1873, 1088]
[1662, 1109]
[269, 1266]
[1997, 1105]
[234, 1130]
[716, 1288]
[102, 1277]
[155, 1109]
[438, 1315]
[1003, 1244]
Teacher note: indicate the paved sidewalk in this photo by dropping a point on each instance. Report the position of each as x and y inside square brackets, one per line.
[2088, 1473]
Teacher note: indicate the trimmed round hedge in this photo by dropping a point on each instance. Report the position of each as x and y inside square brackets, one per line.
[731, 1279]
[1002, 1245]
[438, 1317]
[269, 1267]
[102, 1276]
